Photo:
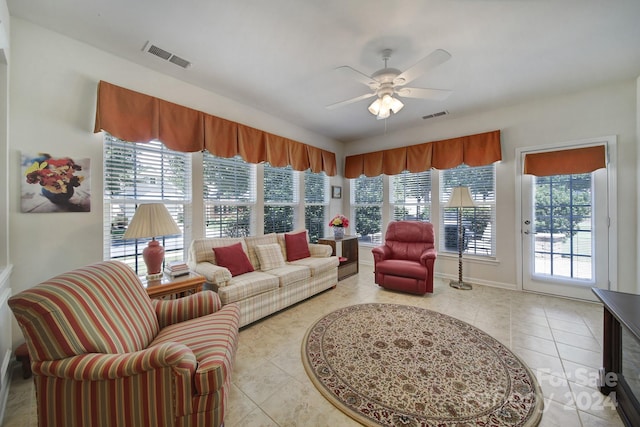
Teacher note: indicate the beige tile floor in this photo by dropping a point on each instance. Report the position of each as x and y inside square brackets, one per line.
[560, 340]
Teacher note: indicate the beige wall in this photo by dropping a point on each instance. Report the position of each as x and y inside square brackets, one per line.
[601, 111]
[637, 290]
[6, 337]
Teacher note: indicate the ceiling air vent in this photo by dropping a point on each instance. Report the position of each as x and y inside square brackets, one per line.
[431, 116]
[167, 56]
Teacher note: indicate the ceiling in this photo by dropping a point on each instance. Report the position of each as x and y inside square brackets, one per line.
[281, 56]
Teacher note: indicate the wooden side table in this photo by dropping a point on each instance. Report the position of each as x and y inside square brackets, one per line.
[620, 372]
[167, 285]
[347, 249]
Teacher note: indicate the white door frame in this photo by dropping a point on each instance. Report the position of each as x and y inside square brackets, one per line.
[610, 142]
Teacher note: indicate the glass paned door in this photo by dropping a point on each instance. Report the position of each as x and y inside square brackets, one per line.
[565, 234]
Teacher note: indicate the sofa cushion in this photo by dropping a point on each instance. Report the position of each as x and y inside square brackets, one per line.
[297, 246]
[253, 241]
[234, 258]
[247, 285]
[318, 265]
[290, 274]
[270, 256]
[402, 268]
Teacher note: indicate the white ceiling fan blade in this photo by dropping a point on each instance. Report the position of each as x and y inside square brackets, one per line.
[358, 76]
[432, 60]
[349, 101]
[416, 92]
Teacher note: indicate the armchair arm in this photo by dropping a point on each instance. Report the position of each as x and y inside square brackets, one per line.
[319, 250]
[101, 367]
[380, 253]
[178, 310]
[428, 257]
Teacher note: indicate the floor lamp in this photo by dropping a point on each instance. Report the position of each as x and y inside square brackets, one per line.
[460, 198]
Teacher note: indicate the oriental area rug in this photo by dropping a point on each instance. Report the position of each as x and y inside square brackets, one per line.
[398, 365]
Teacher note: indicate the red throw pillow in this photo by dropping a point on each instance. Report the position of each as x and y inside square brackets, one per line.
[233, 258]
[297, 247]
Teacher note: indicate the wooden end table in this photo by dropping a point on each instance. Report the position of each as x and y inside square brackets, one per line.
[167, 285]
[347, 249]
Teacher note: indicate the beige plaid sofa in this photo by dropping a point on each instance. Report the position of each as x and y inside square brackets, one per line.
[260, 293]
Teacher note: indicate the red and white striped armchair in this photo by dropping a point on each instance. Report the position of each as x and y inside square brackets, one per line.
[104, 354]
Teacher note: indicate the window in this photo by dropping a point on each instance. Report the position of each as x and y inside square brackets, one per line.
[563, 226]
[366, 202]
[411, 196]
[280, 199]
[316, 201]
[229, 193]
[478, 223]
[135, 173]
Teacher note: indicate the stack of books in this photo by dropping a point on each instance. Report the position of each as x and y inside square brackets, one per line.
[176, 268]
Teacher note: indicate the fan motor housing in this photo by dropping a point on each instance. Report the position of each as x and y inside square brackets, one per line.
[386, 75]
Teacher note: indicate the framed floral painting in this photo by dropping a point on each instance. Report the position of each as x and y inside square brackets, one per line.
[54, 184]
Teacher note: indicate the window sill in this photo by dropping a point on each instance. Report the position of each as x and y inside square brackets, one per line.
[473, 258]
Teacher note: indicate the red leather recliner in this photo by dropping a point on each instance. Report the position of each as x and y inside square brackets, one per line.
[405, 261]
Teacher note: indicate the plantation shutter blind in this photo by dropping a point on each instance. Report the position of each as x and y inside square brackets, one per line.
[139, 173]
[566, 162]
[229, 192]
[411, 196]
[316, 201]
[479, 222]
[367, 198]
[280, 199]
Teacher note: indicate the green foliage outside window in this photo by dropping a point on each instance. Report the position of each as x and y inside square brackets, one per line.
[367, 200]
[562, 203]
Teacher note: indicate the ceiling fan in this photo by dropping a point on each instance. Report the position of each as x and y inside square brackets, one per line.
[387, 82]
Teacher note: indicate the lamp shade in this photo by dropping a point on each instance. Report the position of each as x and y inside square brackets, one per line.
[374, 108]
[460, 198]
[382, 107]
[151, 220]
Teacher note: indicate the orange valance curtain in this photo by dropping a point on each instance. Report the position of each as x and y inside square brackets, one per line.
[473, 150]
[562, 162]
[135, 117]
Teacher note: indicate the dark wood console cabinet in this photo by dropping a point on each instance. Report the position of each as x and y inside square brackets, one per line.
[621, 352]
[347, 250]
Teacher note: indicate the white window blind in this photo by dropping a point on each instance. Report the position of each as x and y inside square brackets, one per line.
[136, 173]
[411, 196]
[316, 202]
[478, 223]
[229, 192]
[366, 202]
[280, 199]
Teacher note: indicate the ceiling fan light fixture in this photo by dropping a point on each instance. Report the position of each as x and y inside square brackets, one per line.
[374, 108]
[386, 101]
[396, 105]
[383, 114]
[382, 107]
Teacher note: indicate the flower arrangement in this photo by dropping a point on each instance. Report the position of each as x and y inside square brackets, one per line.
[54, 175]
[339, 221]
